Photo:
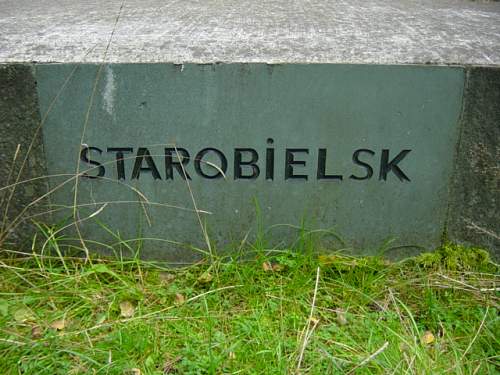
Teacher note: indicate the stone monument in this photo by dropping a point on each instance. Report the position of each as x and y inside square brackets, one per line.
[371, 124]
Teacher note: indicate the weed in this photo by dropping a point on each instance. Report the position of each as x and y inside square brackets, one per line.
[63, 315]
[455, 257]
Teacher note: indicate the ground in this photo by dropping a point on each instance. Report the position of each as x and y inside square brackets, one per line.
[269, 312]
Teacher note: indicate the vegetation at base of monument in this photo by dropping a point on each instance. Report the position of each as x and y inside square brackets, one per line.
[288, 311]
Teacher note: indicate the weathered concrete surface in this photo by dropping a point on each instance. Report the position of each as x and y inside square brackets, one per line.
[19, 119]
[269, 31]
[474, 215]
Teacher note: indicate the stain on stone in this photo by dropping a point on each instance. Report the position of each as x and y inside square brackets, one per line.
[245, 69]
[19, 119]
[179, 67]
[207, 66]
[109, 91]
[475, 190]
[270, 68]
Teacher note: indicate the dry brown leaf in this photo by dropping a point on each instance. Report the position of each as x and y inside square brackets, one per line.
[327, 259]
[428, 338]
[179, 299]
[341, 317]
[36, 332]
[166, 277]
[278, 267]
[58, 324]
[127, 309]
[205, 277]
[267, 266]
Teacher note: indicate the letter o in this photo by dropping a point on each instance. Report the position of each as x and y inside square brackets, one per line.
[221, 171]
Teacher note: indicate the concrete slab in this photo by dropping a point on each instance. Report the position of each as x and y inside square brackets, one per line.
[268, 31]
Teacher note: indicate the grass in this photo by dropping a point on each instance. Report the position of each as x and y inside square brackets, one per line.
[434, 314]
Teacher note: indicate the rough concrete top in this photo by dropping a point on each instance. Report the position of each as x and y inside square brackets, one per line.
[270, 31]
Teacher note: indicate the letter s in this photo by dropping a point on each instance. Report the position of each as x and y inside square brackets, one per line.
[84, 157]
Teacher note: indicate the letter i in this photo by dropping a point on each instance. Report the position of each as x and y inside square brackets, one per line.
[270, 160]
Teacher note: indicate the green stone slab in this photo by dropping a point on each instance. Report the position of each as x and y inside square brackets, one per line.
[322, 113]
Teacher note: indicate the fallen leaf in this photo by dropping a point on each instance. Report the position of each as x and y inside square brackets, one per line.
[22, 315]
[278, 267]
[341, 317]
[127, 309]
[36, 332]
[179, 299]
[4, 307]
[101, 318]
[167, 277]
[205, 277]
[58, 324]
[267, 266]
[403, 347]
[428, 338]
[327, 259]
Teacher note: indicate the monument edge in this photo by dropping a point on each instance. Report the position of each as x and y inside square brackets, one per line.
[472, 217]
